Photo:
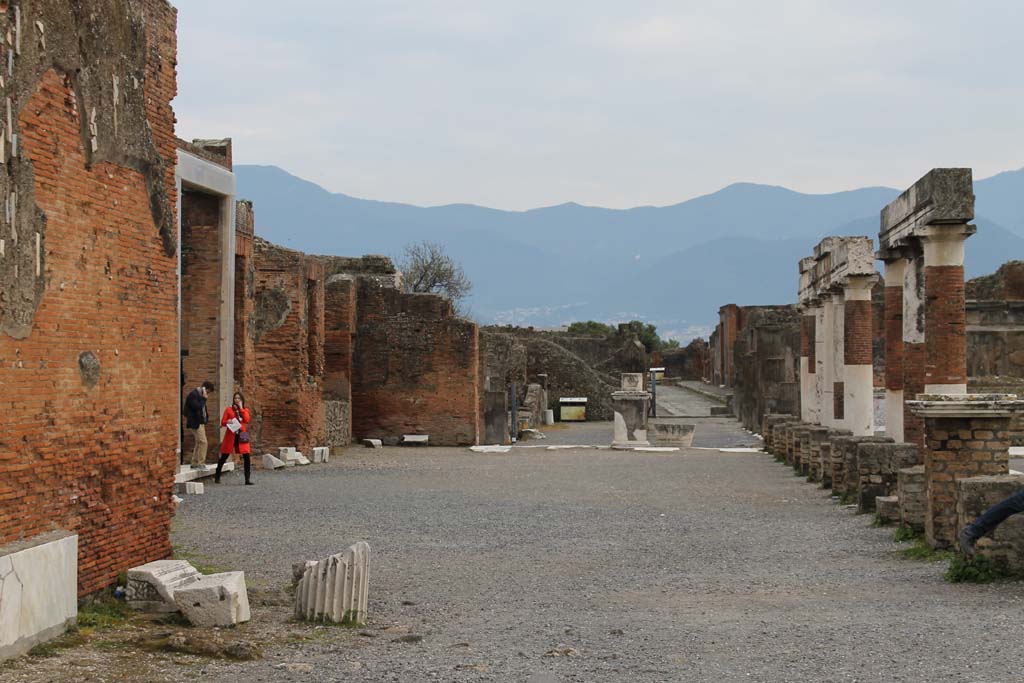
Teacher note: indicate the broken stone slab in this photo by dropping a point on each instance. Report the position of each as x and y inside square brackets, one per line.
[272, 463]
[301, 460]
[215, 600]
[194, 488]
[674, 433]
[151, 586]
[531, 435]
[415, 439]
[321, 454]
[286, 452]
[336, 588]
[490, 449]
[373, 443]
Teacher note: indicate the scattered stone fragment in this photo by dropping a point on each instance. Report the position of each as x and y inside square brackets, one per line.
[152, 586]
[337, 588]
[205, 645]
[562, 652]
[409, 638]
[490, 449]
[272, 463]
[215, 600]
[415, 439]
[373, 443]
[321, 454]
[531, 435]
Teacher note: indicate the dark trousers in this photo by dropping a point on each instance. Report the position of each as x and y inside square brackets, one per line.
[996, 515]
[246, 460]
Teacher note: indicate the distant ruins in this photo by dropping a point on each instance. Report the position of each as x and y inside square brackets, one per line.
[866, 392]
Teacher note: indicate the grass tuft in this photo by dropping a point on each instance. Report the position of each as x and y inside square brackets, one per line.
[924, 552]
[905, 533]
[977, 569]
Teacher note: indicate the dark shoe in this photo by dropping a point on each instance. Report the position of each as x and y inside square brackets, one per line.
[216, 480]
[250, 483]
[967, 542]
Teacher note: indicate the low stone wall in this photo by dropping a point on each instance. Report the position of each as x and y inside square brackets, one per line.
[975, 495]
[878, 466]
[911, 490]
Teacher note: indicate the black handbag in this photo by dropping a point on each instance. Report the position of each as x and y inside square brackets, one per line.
[243, 436]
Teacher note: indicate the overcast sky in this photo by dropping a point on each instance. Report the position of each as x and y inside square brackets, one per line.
[611, 103]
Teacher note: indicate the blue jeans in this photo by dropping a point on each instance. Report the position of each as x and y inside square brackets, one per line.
[996, 515]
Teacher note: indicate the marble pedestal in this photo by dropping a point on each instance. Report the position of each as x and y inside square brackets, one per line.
[631, 408]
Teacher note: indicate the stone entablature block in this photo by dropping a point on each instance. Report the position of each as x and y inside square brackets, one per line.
[944, 196]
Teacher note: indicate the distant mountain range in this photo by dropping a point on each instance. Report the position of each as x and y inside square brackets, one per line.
[673, 265]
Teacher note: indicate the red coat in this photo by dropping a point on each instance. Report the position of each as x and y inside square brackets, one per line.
[228, 445]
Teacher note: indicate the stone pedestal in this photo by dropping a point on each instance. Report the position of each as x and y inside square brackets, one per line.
[966, 435]
[631, 409]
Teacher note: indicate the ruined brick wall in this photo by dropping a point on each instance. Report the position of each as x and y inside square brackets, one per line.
[416, 368]
[686, 363]
[88, 316]
[245, 300]
[766, 357]
[730, 327]
[569, 376]
[201, 261]
[287, 336]
[339, 335]
[995, 325]
[878, 294]
[1006, 284]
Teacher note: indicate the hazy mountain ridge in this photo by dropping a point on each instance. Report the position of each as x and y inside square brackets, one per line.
[672, 265]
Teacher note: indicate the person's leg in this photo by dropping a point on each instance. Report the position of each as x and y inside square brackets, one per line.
[220, 465]
[247, 463]
[990, 519]
[199, 452]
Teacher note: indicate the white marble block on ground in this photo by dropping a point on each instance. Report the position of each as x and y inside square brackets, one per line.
[337, 588]
[284, 452]
[415, 439]
[373, 443]
[271, 463]
[194, 488]
[38, 591]
[215, 600]
[321, 454]
[152, 586]
[301, 460]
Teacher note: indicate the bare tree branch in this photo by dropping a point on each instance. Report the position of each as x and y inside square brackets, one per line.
[427, 268]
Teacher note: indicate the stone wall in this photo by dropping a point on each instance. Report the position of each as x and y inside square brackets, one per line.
[569, 376]
[88, 273]
[416, 368]
[687, 363]
[766, 358]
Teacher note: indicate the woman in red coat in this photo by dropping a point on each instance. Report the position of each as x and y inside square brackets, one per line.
[235, 441]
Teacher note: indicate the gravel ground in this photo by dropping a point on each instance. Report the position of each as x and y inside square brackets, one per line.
[590, 566]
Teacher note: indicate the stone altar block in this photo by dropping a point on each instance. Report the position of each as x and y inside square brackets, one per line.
[631, 409]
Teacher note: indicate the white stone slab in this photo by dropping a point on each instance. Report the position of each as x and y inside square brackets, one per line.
[415, 439]
[215, 600]
[321, 454]
[337, 588]
[490, 449]
[373, 443]
[194, 488]
[38, 591]
[271, 463]
[656, 449]
[152, 586]
[201, 472]
[302, 460]
[285, 451]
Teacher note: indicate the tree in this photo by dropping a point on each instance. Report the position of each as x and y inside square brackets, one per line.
[426, 267]
[590, 328]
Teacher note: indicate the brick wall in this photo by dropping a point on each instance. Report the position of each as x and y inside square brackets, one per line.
[90, 372]
[894, 337]
[287, 349]
[766, 362]
[945, 328]
[201, 260]
[416, 368]
[339, 332]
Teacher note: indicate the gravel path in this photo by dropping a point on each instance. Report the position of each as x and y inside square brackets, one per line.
[592, 566]
[698, 567]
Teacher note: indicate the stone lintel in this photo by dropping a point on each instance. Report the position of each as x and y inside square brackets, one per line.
[966, 405]
[944, 196]
[835, 260]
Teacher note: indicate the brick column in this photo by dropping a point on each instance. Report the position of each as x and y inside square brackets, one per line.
[967, 435]
[895, 270]
[858, 369]
[945, 361]
[809, 408]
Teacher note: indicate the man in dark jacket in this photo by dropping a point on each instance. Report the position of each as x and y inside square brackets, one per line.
[196, 418]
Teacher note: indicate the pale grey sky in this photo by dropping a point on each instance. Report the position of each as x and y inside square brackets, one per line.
[538, 102]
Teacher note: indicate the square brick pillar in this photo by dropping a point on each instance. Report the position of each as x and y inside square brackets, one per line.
[838, 356]
[967, 435]
[858, 370]
[895, 271]
[913, 346]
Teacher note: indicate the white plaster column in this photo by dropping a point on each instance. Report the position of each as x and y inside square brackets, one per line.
[809, 408]
[826, 362]
[858, 367]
